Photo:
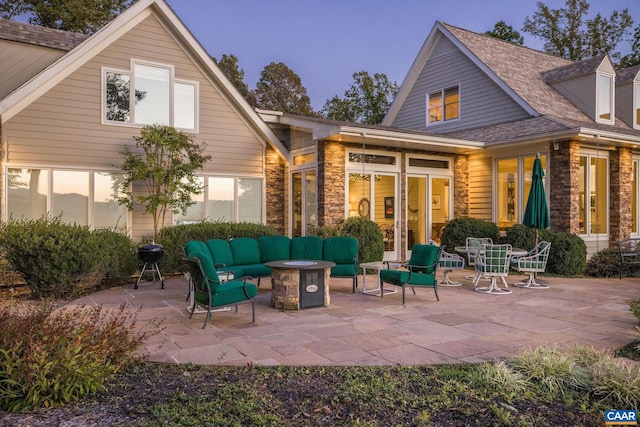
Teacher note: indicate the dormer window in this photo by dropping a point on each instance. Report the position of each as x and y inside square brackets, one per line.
[443, 105]
[604, 99]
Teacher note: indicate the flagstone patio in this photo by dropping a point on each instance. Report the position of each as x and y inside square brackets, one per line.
[358, 329]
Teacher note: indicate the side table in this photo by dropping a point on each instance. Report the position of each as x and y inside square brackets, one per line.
[377, 265]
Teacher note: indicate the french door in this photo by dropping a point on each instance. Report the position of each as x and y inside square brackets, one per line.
[428, 208]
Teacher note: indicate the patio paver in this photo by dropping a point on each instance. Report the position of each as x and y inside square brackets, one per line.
[357, 329]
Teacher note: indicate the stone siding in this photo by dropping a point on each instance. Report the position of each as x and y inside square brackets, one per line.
[564, 173]
[620, 192]
[275, 192]
[331, 183]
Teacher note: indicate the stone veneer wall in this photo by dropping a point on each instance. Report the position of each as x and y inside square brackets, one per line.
[331, 183]
[275, 195]
[461, 186]
[564, 173]
[620, 191]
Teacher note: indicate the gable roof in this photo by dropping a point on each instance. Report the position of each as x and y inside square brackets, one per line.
[39, 36]
[514, 68]
[86, 49]
[627, 75]
[573, 70]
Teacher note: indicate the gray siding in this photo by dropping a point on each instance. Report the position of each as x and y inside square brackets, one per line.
[482, 102]
[63, 127]
[581, 92]
[20, 62]
[301, 139]
[624, 103]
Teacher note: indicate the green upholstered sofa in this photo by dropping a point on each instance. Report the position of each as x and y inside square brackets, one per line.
[246, 256]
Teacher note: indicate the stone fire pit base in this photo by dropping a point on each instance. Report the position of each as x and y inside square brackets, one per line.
[287, 293]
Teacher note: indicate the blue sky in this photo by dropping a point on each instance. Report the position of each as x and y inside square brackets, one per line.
[326, 41]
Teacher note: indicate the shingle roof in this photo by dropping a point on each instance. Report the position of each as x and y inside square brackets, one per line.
[40, 36]
[626, 75]
[523, 70]
[576, 69]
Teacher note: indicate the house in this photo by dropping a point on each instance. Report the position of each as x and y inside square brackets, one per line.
[67, 111]
[459, 140]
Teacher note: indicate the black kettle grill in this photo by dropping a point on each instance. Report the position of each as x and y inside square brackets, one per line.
[150, 255]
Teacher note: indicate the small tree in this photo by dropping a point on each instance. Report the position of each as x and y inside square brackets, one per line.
[167, 166]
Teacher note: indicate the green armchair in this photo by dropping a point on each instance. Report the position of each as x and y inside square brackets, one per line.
[210, 292]
[343, 251]
[419, 272]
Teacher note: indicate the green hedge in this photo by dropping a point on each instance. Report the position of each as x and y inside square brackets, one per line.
[62, 260]
[369, 235]
[455, 233]
[568, 254]
[173, 237]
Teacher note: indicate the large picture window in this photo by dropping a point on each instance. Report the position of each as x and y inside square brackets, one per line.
[228, 199]
[605, 99]
[443, 105]
[149, 94]
[513, 186]
[76, 196]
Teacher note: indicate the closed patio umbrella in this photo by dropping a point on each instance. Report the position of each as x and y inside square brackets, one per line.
[536, 213]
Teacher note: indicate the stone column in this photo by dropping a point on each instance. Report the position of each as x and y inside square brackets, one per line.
[331, 183]
[620, 192]
[275, 195]
[461, 186]
[564, 194]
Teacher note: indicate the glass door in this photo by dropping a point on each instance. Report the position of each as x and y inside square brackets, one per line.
[304, 204]
[428, 209]
[373, 196]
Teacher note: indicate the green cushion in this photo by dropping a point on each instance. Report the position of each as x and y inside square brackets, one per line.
[344, 270]
[398, 277]
[256, 270]
[196, 246]
[274, 248]
[220, 252]
[209, 270]
[229, 293]
[245, 251]
[306, 247]
[425, 255]
[340, 249]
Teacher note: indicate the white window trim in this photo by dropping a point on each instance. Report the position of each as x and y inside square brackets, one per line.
[301, 152]
[587, 235]
[635, 103]
[442, 106]
[612, 101]
[235, 178]
[49, 170]
[130, 72]
[355, 167]
[429, 171]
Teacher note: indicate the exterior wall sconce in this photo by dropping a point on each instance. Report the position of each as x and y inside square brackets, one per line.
[556, 146]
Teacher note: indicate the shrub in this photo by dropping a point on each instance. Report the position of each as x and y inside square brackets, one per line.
[48, 359]
[568, 254]
[455, 233]
[173, 237]
[521, 236]
[369, 235]
[61, 260]
[604, 263]
[324, 231]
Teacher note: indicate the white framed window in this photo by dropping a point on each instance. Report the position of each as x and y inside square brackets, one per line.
[149, 94]
[443, 105]
[605, 98]
[593, 203]
[227, 199]
[84, 197]
[636, 105]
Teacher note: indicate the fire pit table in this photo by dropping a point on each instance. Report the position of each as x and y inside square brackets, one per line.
[299, 284]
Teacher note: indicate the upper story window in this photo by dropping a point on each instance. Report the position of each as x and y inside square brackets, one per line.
[149, 94]
[604, 99]
[443, 105]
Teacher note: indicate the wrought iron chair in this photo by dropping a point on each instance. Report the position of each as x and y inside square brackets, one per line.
[210, 292]
[492, 262]
[535, 261]
[449, 262]
[420, 271]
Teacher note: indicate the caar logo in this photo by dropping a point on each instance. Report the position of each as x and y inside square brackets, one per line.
[621, 417]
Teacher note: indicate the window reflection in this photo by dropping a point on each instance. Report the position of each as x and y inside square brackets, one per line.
[70, 196]
[154, 107]
[28, 191]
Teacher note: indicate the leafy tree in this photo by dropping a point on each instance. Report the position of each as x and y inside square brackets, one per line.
[280, 89]
[566, 32]
[80, 16]
[505, 32]
[634, 57]
[228, 64]
[366, 101]
[167, 166]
